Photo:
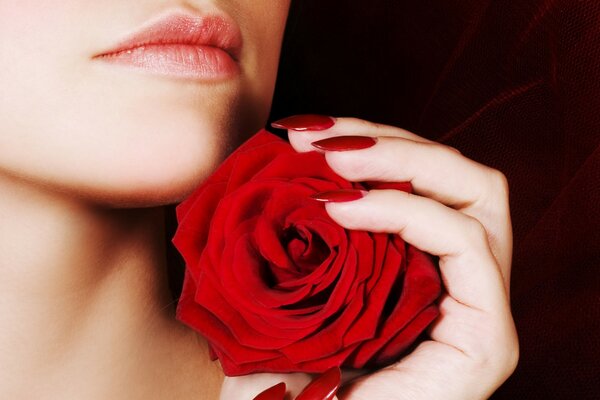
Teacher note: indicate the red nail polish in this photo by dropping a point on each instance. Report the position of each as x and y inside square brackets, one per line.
[276, 392]
[324, 387]
[343, 143]
[306, 122]
[337, 196]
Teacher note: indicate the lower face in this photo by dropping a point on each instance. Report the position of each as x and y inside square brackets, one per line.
[113, 133]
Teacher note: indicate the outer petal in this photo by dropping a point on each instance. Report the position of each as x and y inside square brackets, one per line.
[217, 333]
[192, 232]
[284, 365]
[210, 298]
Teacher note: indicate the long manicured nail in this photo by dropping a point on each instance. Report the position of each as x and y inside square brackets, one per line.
[305, 122]
[324, 387]
[276, 392]
[338, 196]
[343, 143]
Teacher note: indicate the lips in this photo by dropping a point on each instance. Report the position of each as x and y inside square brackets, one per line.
[182, 45]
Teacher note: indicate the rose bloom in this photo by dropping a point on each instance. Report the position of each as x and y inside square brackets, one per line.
[275, 285]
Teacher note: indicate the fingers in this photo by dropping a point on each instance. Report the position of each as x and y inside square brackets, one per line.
[475, 331]
[459, 212]
[468, 268]
[436, 171]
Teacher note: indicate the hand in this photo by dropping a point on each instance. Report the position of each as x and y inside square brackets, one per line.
[459, 212]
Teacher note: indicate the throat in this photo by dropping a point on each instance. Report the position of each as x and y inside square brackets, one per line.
[85, 306]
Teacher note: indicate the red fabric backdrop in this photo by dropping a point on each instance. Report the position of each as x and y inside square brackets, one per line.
[514, 84]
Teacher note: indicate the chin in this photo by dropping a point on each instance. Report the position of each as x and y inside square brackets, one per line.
[158, 183]
[156, 173]
[160, 163]
[130, 191]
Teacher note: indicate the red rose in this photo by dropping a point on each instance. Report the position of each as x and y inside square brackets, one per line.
[275, 285]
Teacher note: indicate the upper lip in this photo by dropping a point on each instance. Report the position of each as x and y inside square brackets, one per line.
[183, 28]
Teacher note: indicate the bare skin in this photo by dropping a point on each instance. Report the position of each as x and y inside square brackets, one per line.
[90, 153]
[94, 323]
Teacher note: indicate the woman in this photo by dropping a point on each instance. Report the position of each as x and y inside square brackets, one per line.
[112, 110]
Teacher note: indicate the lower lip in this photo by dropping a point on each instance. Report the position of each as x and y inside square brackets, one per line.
[178, 60]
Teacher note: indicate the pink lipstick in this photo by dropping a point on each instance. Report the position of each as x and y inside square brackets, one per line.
[182, 45]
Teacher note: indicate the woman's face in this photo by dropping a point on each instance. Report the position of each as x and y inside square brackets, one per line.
[125, 134]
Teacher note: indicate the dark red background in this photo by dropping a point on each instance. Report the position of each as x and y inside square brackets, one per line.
[514, 84]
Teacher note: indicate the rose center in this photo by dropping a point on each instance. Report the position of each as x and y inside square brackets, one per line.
[305, 248]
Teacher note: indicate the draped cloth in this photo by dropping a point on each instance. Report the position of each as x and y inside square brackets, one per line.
[512, 84]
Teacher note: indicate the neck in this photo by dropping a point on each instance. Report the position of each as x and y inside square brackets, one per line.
[85, 306]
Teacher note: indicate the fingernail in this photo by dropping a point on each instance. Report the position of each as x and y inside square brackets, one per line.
[343, 143]
[324, 387]
[276, 392]
[305, 122]
[337, 196]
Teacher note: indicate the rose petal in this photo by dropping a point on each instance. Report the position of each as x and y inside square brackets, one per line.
[329, 340]
[218, 334]
[256, 302]
[387, 268]
[335, 239]
[405, 338]
[211, 298]
[278, 320]
[420, 287]
[313, 165]
[247, 269]
[285, 200]
[191, 235]
[249, 163]
[282, 364]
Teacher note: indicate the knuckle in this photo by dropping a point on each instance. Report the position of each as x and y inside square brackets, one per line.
[500, 181]
[364, 124]
[505, 362]
[512, 361]
[494, 199]
[452, 149]
[358, 166]
[444, 149]
[476, 232]
[353, 167]
[499, 362]
[512, 355]
[499, 355]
